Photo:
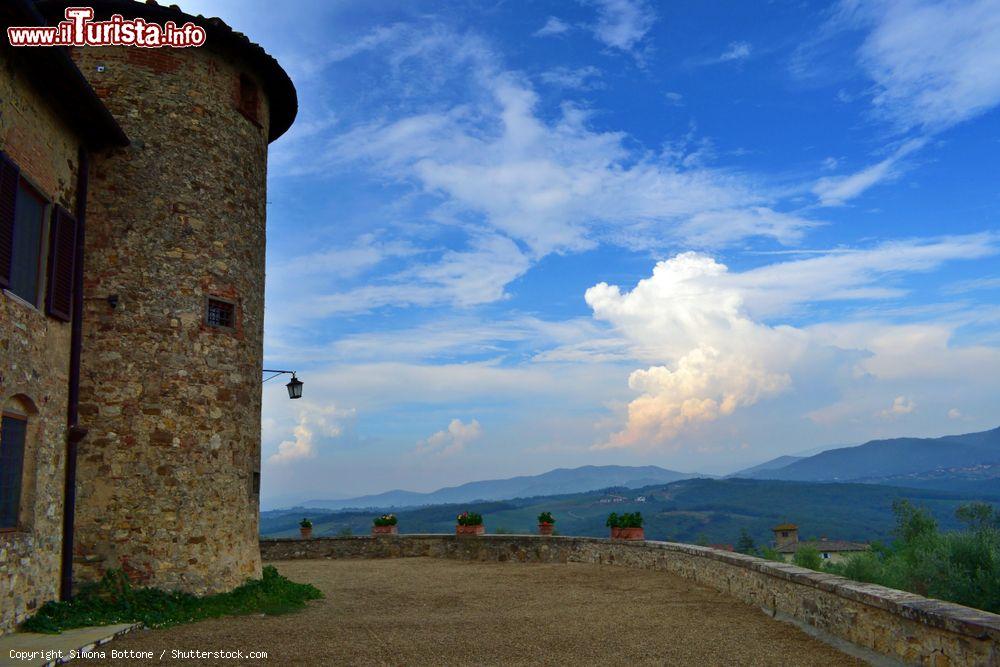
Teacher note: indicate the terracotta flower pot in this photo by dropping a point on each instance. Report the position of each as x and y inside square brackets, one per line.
[385, 530]
[545, 528]
[631, 534]
[306, 533]
[470, 530]
[615, 532]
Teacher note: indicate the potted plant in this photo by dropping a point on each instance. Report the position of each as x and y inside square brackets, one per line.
[385, 525]
[545, 523]
[306, 529]
[469, 523]
[630, 526]
[614, 523]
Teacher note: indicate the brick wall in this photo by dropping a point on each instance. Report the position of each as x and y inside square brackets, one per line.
[901, 626]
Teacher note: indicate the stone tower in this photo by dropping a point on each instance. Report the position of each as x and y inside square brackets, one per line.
[169, 473]
[785, 534]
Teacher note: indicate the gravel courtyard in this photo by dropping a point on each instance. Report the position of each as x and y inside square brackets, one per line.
[422, 611]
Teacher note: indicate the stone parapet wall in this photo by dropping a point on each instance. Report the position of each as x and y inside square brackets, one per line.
[899, 625]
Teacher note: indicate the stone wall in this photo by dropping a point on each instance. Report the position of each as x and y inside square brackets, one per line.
[899, 625]
[166, 484]
[34, 360]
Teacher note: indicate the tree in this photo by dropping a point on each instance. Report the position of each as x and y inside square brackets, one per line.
[912, 522]
[978, 516]
[745, 545]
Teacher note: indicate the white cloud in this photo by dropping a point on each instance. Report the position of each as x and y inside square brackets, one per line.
[452, 440]
[954, 413]
[313, 422]
[560, 186]
[622, 24]
[674, 99]
[934, 64]
[711, 353]
[836, 190]
[580, 78]
[901, 405]
[736, 51]
[719, 359]
[554, 26]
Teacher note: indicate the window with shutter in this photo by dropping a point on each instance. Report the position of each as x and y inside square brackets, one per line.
[9, 177]
[62, 264]
[26, 260]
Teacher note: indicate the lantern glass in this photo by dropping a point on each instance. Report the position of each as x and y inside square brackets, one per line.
[294, 388]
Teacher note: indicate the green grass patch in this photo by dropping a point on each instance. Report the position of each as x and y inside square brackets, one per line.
[114, 600]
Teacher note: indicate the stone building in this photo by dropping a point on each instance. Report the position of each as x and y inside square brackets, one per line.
[132, 226]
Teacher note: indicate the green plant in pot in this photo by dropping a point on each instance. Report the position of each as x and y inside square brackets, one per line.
[385, 525]
[546, 523]
[469, 523]
[627, 526]
[306, 528]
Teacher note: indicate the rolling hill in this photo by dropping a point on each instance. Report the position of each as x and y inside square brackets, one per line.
[899, 461]
[691, 510]
[554, 482]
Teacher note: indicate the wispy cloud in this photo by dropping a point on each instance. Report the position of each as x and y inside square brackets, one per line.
[554, 26]
[578, 78]
[837, 190]
[622, 24]
[934, 64]
[736, 51]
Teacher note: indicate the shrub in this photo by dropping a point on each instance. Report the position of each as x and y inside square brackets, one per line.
[613, 521]
[113, 600]
[386, 520]
[469, 519]
[806, 556]
[961, 566]
[771, 553]
[305, 523]
[546, 517]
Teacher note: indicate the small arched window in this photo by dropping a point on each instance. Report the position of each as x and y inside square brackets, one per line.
[14, 463]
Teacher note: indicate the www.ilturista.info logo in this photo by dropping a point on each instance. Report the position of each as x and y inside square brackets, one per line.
[79, 29]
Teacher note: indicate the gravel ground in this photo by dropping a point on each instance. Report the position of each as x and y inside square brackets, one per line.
[422, 611]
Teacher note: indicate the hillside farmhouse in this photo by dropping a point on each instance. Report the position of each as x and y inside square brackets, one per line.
[786, 543]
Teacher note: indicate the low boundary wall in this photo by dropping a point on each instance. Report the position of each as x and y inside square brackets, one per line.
[901, 626]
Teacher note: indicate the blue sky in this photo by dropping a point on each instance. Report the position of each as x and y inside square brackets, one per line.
[510, 236]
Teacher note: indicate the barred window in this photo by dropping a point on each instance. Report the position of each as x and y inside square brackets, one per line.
[220, 313]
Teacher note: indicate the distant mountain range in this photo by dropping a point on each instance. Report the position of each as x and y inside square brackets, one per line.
[962, 463]
[555, 482]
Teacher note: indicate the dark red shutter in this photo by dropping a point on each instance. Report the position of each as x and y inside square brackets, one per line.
[9, 175]
[62, 256]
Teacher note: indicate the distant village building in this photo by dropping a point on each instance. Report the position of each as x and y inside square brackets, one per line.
[132, 224]
[640, 499]
[786, 543]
